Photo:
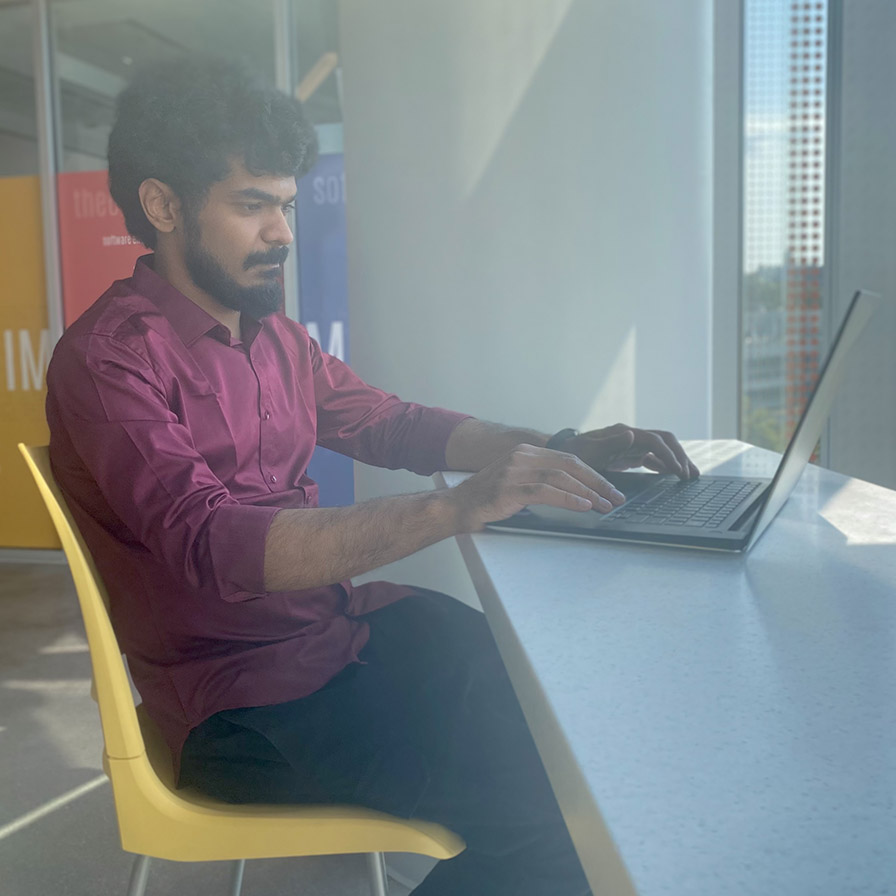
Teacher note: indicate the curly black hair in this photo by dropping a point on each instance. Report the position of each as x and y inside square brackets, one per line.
[184, 122]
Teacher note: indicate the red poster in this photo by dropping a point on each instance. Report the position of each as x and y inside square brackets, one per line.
[94, 244]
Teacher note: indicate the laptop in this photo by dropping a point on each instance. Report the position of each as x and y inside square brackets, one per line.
[723, 513]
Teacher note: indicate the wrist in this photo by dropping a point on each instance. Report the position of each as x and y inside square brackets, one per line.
[461, 507]
[452, 510]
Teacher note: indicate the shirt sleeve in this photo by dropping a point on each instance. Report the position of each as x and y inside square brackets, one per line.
[110, 418]
[373, 426]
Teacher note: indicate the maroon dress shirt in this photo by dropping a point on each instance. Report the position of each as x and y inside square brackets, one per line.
[175, 446]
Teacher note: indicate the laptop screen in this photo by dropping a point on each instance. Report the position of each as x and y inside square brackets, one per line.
[812, 422]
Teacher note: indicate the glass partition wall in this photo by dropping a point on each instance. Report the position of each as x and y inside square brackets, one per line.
[24, 334]
[95, 47]
[18, 119]
[99, 43]
[69, 59]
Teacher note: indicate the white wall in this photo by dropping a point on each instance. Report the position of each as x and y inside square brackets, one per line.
[529, 213]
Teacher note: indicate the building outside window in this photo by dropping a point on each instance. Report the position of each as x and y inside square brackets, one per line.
[785, 122]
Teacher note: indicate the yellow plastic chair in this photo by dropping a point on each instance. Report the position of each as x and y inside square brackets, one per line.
[157, 820]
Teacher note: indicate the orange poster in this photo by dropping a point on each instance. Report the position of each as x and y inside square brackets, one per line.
[24, 354]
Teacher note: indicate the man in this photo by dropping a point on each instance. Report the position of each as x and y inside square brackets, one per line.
[184, 409]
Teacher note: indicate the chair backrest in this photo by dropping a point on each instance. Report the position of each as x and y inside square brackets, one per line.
[121, 730]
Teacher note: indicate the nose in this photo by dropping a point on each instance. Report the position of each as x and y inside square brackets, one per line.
[278, 232]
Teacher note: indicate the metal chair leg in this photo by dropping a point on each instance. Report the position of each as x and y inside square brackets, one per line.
[376, 864]
[139, 876]
[236, 877]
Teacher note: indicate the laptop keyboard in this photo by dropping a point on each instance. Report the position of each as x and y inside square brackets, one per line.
[700, 503]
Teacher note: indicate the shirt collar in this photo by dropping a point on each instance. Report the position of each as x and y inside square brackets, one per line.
[189, 321]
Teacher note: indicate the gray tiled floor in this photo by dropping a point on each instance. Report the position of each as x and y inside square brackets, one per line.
[50, 746]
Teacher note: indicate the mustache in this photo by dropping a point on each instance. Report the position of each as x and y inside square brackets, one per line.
[272, 256]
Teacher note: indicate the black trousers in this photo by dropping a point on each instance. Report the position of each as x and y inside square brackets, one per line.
[428, 727]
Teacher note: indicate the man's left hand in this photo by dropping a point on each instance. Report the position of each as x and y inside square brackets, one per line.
[621, 447]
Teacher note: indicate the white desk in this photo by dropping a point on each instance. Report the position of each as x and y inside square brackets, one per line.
[715, 724]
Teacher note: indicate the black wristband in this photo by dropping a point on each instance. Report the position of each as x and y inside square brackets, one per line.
[558, 438]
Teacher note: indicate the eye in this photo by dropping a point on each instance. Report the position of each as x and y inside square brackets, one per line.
[250, 206]
[290, 206]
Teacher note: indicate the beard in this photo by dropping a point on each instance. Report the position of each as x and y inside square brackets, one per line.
[209, 275]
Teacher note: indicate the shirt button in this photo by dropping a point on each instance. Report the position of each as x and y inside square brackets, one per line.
[267, 415]
[273, 478]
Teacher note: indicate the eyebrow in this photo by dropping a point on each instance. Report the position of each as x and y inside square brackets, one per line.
[261, 196]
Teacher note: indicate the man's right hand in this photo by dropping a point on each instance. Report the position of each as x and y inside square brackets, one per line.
[530, 475]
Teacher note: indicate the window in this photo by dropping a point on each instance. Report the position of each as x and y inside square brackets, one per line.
[785, 83]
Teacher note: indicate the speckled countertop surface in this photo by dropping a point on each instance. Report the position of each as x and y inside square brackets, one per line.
[724, 724]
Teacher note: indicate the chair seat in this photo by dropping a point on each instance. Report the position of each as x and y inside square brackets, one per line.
[191, 826]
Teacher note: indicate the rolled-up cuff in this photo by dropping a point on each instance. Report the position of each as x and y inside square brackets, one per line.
[237, 536]
[427, 454]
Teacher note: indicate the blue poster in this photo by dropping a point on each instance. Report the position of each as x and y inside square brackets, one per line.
[323, 284]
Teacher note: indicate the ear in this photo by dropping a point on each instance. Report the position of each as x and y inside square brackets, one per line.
[160, 205]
